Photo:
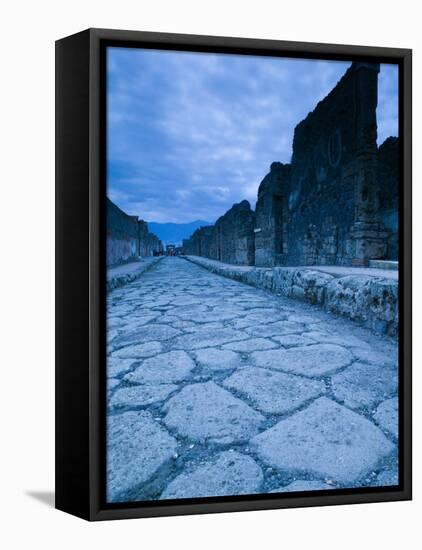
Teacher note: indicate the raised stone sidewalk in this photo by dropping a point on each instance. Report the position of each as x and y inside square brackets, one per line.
[369, 296]
[122, 274]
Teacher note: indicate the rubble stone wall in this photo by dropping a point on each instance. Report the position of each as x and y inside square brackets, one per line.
[271, 216]
[122, 235]
[388, 189]
[232, 240]
[336, 203]
[128, 237]
[332, 201]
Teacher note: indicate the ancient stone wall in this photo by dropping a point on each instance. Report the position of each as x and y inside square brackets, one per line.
[271, 216]
[333, 202]
[232, 240]
[388, 189]
[122, 235]
[200, 242]
[127, 237]
[154, 245]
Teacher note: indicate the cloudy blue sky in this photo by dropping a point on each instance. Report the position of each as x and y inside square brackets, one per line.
[189, 134]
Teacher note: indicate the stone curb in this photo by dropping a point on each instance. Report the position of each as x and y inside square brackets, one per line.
[121, 280]
[370, 300]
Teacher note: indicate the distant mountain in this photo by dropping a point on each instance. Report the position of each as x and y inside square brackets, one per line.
[174, 233]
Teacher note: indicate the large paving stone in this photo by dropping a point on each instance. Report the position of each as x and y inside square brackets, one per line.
[293, 340]
[137, 449]
[136, 321]
[274, 392]
[205, 412]
[148, 333]
[275, 329]
[231, 473]
[363, 386]
[388, 477]
[117, 366]
[112, 383]
[205, 338]
[325, 440]
[165, 368]
[303, 485]
[253, 344]
[305, 318]
[140, 396]
[211, 316]
[388, 357]
[139, 351]
[346, 339]
[189, 312]
[316, 360]
[387, 416]
[258, 318]
[217, 359]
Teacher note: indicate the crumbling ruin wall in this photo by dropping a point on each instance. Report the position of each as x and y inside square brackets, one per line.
[200, 242]
[127, 237]
[271, 216]
[335, 204]
[143, 238]
[122, 235]
[333, 199]
[388, 190]
[232, 239]
[154, 245]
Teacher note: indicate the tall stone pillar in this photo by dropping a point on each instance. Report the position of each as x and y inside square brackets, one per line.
[368, 233]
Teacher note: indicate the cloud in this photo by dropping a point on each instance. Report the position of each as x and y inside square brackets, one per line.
[189, 134]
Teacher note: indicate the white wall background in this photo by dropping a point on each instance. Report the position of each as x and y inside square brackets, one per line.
[29, 29]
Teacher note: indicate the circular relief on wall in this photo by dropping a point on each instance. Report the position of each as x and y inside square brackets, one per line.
[334, 148]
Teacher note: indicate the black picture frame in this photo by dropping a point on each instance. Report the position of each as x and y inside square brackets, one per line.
[80, 273]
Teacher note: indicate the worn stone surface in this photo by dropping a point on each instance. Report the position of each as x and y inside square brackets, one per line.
[279, 328]
[112, 383]
[363, 385]
[231, 401]
[387, 416]
[137, 448]
[274, 392]
[173, 366]
[387, 477]
[315, 360]
[294, 340]
[228, 420]
[136, 351]
[140, 396]
[148, 333]
[339, 443]
[303, 485]
[254, 344]
[121, 275]
[204, 338]
[231, 473]
[118, 367]
[217, 359]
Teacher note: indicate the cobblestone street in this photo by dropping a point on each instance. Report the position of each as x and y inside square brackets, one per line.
[218, 388]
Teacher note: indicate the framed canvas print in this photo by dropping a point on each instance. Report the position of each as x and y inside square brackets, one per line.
[233, 274]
